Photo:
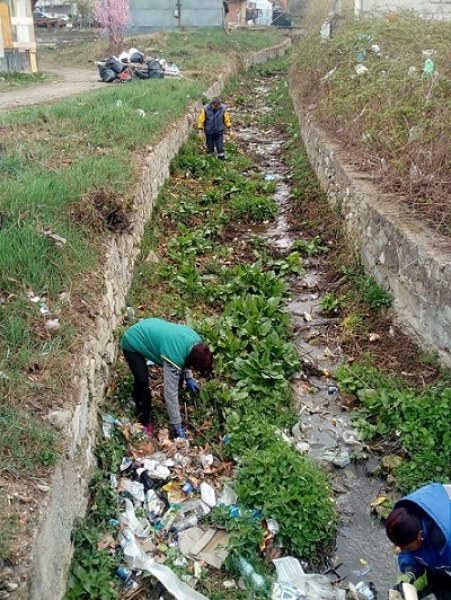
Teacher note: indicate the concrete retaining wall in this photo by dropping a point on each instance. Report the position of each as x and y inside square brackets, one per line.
[68, 496]
[405, 257]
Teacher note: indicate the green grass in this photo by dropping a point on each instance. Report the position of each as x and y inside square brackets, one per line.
[25, 433]
[11, 81]
[395, 124]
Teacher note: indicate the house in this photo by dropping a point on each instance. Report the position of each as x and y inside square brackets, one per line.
[160, 15]
[237, 12]
[440, 9]
[57, 7]
[17, 40]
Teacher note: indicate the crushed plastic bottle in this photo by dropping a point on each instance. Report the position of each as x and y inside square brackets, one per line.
[109, 422]
[428, 68]
[254, 579]
[365, 590]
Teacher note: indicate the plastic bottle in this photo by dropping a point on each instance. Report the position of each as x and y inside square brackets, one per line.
[365, 590]
[254, 579]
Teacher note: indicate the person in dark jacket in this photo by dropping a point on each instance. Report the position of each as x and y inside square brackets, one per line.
[420, 525]
[174, 347]
[214, 120]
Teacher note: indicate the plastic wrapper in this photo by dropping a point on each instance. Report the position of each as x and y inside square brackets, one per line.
[285, 591]
[155, 469]
[207, 494]
[153, 505]
[134, 488]
[139, 527]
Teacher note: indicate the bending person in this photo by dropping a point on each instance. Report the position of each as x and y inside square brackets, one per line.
[174, 347]
[420, 525]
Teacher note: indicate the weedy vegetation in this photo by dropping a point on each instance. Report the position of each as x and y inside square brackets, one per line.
[395, 119]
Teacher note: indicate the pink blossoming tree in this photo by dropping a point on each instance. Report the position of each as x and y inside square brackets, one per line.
[113, 15]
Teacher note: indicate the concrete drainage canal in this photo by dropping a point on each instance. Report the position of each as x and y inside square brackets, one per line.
[169, 515]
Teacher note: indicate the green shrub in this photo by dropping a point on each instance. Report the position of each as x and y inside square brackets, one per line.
[418, 419]
[253, 208]
[289, 488]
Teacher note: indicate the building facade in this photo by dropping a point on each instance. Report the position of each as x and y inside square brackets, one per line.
[17, 39]
[160, 15]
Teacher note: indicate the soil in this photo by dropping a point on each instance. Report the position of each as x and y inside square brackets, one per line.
[63, 82]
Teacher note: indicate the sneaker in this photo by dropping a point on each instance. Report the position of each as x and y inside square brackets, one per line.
[179, 431]
[148, 429]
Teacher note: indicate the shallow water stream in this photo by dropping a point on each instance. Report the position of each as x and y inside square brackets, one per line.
[324, 431]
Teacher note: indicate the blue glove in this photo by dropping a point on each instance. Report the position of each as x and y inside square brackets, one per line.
[192, 385]
[179, 431]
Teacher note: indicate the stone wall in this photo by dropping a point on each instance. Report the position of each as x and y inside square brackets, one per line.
[68, 495]
[405, 257]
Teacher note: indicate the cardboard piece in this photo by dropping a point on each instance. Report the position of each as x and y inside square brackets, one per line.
[209, 546]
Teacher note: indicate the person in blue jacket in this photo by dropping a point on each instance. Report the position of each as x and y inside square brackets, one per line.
[214, 120]
[420, 525]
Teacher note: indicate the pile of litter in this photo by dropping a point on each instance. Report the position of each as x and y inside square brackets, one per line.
[165, 489]
[134, 65]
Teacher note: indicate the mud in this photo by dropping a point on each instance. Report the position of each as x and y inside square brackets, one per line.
[324, 430]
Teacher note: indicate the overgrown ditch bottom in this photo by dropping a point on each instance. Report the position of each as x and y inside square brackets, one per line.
[226, 253]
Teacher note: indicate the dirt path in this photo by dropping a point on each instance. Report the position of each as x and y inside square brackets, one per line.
[64, 83]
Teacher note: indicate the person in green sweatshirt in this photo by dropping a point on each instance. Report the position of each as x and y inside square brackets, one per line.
[177, 349]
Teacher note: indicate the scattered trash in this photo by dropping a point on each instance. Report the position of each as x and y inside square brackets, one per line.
[374, 337]
[140, 112]
[124, 574]
[428, 53]
[209, 546]
[415, 133]
[132, 64]
[362, 572]
[376, 49]
[361, 56]
[109, 422]
[412, 71]
[365, 590]
[360, 69]
[340, 458]
[270, 177]
[391, 461]
[325, 31]
[428, 68]
[254, 579]
[329, 74]
[155, 469]
[134, 488]
[228, 496]
[285, 591]
[288, 569]
[41, 301]
[59, 241]
[332, 390]
[207, 494]
[52, 324]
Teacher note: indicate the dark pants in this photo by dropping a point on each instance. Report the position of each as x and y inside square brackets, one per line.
[215, 139]
[141, 391]
[439, 584]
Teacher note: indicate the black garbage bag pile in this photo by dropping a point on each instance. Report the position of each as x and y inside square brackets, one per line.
[133, 65]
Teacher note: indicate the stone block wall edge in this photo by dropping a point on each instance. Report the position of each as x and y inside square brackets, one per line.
[401, 253]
